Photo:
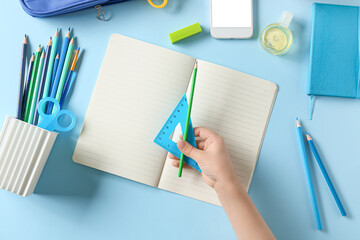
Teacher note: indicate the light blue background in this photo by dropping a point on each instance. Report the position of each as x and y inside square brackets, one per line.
[76, 202]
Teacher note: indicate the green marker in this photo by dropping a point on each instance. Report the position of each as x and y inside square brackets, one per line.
[65, 70]
[36, 89]
[185, 33]
[188, 116]
[32, 83]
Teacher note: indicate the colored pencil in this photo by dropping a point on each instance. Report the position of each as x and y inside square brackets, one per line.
[326, 175]
[32, 83]
[56, 80]
[56, 64]
[22, 75]
[72, 82]
[308, 175]
[36, 89]
[65, 70]
[188, 117]
[42, 80]
[69, 78]
[26, 90]
[51, 64]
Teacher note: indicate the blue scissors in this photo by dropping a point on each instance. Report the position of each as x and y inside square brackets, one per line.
[50, 121]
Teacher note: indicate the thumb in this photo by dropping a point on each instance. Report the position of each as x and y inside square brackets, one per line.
[188, 150]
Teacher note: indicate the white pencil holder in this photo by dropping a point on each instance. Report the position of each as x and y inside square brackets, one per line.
[24, 149]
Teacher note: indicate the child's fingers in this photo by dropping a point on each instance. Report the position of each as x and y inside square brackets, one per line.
[201, 132]
[172, 156]
[204, 133]
[176, 163]
[200, 144]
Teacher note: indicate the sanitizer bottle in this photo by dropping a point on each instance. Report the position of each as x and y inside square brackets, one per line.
[277, 38]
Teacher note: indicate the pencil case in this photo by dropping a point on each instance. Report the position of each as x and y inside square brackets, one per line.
[24, 150]
[48, 8]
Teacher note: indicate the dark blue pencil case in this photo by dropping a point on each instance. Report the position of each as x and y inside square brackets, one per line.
[48, 8]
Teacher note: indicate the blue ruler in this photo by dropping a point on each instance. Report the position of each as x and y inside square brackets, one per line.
[163, 138]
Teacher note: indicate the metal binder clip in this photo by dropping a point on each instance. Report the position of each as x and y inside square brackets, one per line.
[100, 15]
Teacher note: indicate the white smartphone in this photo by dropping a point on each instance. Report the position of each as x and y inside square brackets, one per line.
[231, 18]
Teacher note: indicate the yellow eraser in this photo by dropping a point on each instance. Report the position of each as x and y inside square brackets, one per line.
[185, 32]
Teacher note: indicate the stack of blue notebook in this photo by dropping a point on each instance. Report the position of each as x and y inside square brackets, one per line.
[334, 51]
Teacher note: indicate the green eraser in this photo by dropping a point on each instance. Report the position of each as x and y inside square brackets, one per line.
[185, 32]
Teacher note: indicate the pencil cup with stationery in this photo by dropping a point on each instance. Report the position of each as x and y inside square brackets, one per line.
[26, 141]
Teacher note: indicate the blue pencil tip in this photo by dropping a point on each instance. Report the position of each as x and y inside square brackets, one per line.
[297, 119]
[79, 48]
[69, 29]
[306, 133]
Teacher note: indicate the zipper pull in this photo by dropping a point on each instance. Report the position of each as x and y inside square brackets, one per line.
[100, 15]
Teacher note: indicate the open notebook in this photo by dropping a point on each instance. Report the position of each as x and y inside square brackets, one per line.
[139, 85]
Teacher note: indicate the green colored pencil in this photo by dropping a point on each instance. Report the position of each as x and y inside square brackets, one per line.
[36, 89]
[65, 70]
[32, 83]
[188, 116]
[49, 72]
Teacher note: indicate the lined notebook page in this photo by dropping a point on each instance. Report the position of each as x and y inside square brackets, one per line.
[235, 105]
[137, 88]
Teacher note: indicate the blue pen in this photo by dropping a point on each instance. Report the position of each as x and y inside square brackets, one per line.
[55, 83]
[325, 174]
[308, 175]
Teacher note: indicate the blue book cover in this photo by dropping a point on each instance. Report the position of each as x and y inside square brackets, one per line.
[334, 51]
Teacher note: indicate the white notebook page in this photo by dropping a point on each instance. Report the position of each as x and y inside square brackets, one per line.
[138, 86]
[236, 106]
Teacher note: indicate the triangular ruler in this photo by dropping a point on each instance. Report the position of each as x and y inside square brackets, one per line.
[163, 138]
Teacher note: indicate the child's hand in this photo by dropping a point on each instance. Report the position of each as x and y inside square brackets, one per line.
[211, 156]
[218, 172]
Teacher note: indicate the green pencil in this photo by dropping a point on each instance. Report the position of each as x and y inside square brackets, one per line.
[32, 83]
[65, 70]
[188, 116]
[49, 72]
[36, 89]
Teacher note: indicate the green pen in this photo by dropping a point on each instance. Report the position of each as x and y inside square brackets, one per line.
[188, 116]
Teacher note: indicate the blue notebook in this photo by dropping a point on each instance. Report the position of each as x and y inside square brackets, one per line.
[334, 51]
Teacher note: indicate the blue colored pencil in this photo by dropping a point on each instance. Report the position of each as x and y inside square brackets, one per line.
[308, 175]
[66, 87]
[27, 86]
[73, 77]
[42, 81]
[326, 176]
[56, 64]
[68, 79]
[22, 75]
[56, 81]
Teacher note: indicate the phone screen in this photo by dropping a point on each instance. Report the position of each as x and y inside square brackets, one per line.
[231, 13]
